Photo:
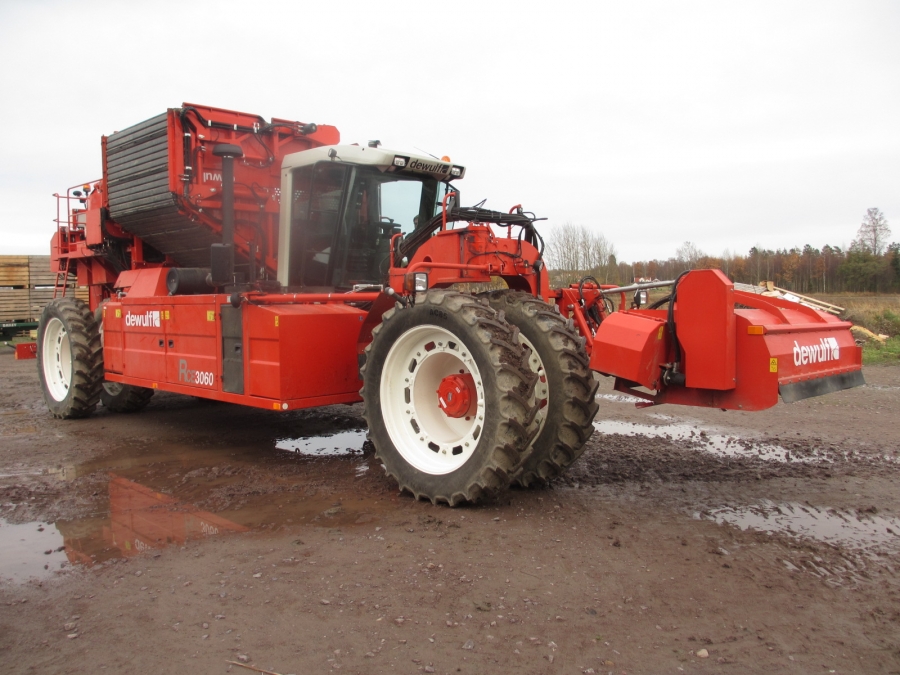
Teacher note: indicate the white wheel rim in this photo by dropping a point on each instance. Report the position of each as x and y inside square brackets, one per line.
[57, 359]
[423, 434]
[541, 389]
[113, 388]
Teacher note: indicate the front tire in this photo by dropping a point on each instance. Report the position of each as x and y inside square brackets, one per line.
[566, 387]
[69, 358]
[433, 450]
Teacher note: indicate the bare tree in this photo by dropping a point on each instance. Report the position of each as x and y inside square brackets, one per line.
[688, 255]
[873, 233]
[574, 251]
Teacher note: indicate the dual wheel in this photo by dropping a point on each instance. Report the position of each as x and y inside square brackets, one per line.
[70, 363]
[464, 394]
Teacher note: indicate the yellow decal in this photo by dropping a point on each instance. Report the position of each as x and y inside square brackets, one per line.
[276, 322]
[659, 335]
[210, 315]
[166, 315]
[773, 365]
[118, 313]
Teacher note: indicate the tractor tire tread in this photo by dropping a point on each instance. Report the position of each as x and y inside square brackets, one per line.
[86, 354]
[515, 433]
[570, 425]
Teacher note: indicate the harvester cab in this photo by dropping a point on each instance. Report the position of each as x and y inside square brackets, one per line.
[264, 263]
[347, 203]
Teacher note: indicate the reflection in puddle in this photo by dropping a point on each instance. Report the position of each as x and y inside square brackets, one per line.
[717, 444]
[343, 443]
[844, 528]
[139, 519]
[154, 496]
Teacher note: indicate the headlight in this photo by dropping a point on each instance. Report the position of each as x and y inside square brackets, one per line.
[456, 171]
[400, 161]
[416, 282]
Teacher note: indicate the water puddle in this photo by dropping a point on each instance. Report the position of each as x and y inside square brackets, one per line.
[620, 398]
[717, 444]
[150, 496]
[32, 550]
[343, 443]
[855, 530]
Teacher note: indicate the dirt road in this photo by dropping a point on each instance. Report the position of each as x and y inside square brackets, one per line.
[196, 534]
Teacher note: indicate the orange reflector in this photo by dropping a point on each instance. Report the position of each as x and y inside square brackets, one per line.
[756, 330]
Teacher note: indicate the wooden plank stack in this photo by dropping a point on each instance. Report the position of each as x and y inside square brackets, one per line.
[26, 286]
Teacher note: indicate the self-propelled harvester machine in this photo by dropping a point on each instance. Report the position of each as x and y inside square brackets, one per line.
[265, 264]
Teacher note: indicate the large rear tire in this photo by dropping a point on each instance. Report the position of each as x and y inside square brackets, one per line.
[439, 453]
[69, 358]
[566, 389]
[116, 397]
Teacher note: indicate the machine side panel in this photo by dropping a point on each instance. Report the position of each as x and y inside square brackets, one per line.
[303, 350]
[113, 338]
[192, 354]
[632, 346]
[143, 341]
[704, 317]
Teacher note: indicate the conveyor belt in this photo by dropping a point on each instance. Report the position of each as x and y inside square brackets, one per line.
[137, 166]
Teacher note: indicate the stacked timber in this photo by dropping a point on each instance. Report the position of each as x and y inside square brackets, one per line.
[26, 287]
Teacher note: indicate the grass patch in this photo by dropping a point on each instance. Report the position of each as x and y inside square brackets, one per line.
[877, 352]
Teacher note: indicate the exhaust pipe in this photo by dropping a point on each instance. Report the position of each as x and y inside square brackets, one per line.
[222, 255]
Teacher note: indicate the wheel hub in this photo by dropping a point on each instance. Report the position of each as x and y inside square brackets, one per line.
[457, 396]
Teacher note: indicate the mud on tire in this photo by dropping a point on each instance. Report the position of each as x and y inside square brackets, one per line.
[435, 456]
[69, 358]
[568, 414]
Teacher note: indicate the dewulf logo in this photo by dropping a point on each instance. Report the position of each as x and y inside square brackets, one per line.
[826, 350]
[146, 320]
[418, 165]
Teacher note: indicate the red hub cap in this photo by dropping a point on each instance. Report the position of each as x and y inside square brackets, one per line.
[457, 396]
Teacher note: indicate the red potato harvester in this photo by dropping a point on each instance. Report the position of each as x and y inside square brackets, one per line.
[265, 264]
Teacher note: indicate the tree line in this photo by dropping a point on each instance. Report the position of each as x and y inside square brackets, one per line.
[869, 264]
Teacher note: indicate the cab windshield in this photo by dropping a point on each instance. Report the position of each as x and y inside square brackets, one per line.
[343, 217]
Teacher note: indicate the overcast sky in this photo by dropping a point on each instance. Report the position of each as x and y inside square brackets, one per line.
[725, 124]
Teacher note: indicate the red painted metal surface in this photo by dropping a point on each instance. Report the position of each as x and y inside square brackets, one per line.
[193, 131]
[474, 254]
[636, 344]
[704, 317]
[456, 395]
[731, 358]
[300, 350]
[26, 350]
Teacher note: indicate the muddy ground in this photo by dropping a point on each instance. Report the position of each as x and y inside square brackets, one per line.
[195, 534]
